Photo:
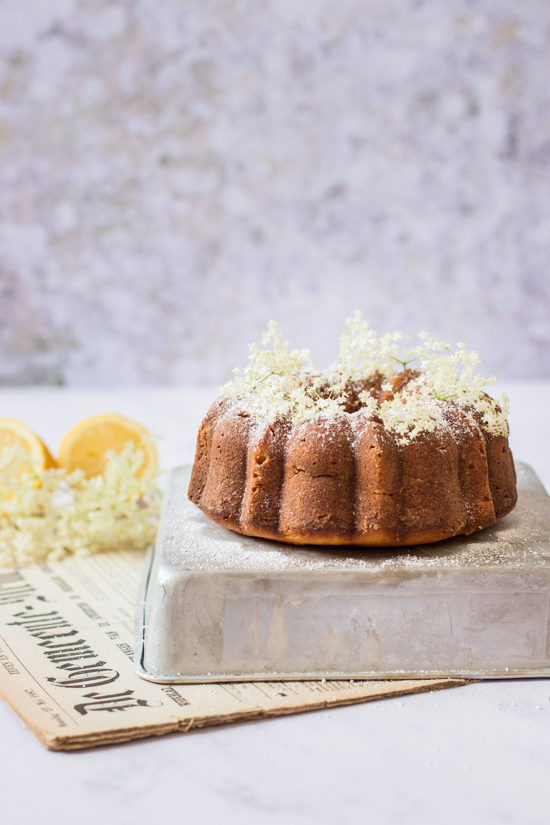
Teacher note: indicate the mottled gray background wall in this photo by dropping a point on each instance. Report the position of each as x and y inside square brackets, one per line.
[173, 173]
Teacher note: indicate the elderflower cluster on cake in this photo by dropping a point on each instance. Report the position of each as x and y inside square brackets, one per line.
[279, 382]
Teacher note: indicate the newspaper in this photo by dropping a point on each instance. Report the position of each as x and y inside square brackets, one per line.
[66, 663]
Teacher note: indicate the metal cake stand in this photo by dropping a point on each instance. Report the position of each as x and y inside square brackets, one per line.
[217, 606]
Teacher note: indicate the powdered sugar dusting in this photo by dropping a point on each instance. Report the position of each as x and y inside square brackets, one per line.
[192, 542]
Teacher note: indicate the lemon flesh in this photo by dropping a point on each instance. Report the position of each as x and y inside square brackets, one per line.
[15, 435]
[85, 447]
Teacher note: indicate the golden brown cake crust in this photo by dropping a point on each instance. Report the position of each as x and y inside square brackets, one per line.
[346, 480]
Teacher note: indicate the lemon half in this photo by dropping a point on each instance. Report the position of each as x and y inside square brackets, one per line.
[86, 445]
[15, 434]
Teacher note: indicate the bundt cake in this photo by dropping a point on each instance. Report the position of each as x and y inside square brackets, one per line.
[371, 452]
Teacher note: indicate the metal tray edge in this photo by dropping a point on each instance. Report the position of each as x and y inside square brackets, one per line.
[213, 678]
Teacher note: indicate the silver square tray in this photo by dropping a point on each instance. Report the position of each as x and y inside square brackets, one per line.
[217, 606]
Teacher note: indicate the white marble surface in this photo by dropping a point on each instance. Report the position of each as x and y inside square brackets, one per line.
[173, 174]
[476, 754]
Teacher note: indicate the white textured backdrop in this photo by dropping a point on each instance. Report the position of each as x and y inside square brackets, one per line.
[174, 173]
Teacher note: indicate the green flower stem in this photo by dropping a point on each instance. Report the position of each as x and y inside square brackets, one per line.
[443, 397]
[404, 363]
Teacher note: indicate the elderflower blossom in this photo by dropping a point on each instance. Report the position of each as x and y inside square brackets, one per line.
[279, 383]
[410, 414]
[52, 514]
[363, 354]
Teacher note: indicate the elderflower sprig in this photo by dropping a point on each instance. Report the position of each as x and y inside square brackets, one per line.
[363, 353]
[283, 383]
[409, 414]
[279, 382]
[51, 514]
[444, 375]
